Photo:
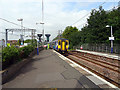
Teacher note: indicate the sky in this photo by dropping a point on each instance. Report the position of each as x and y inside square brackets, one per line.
[58, 14]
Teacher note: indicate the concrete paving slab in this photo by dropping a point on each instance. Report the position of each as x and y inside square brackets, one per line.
[49, 77]
[61, 83]
[83, 71]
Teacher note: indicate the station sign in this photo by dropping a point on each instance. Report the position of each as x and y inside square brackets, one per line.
[111, 38]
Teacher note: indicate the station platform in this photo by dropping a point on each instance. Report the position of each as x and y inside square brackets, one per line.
[48, 70]
[114, 56]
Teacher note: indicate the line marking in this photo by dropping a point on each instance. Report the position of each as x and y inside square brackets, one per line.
[65, 58]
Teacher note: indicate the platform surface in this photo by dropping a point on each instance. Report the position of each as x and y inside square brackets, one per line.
[47, 70]
[114, 56]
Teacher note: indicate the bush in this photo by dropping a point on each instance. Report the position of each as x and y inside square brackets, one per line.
[25, 51]
[10, 55]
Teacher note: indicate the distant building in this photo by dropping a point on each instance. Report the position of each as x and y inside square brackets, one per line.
[12, 41]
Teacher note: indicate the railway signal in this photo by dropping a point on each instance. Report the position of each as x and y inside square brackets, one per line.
[47, 35]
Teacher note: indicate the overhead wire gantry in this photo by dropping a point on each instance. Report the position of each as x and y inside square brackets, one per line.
[19, 30]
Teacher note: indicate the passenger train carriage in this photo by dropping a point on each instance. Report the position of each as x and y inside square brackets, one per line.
[61, 45]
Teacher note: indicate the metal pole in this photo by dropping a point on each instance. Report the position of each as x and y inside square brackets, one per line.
[111, 41]
[42, 11]
[43, 20]
[21, 26]
[37, 49]
[59, 34]
[43, 35]
[22, 31]
[111, 32]
[6, 37]
[32, 36]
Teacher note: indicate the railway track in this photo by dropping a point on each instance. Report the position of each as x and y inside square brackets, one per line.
[107, 68]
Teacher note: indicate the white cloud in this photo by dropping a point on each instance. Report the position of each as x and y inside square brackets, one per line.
[55, 16]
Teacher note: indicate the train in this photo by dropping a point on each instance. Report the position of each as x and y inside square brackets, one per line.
[60, 45]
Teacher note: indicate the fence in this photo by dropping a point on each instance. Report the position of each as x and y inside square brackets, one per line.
[100, 48]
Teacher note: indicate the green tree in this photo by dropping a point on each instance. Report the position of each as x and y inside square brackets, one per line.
[68, 31]
[114, 21]
[96, 30]
[75, 39]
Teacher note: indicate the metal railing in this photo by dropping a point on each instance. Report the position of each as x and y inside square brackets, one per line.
[100, 48]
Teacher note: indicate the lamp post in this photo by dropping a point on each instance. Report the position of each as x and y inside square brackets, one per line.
[42, 30]
[42, 22]
[111, 38]
[37, 47]
[21, 23]
[21, 36]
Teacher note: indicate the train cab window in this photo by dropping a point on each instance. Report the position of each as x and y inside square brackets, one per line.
[66, 43]
[59, 42]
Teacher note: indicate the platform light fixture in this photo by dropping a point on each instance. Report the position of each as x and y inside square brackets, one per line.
[111, 38]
